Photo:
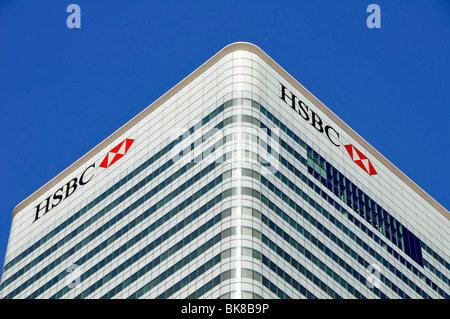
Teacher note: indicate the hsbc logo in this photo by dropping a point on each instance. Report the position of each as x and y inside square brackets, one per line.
[313, 118]
[116, 153]
[310, 116]
[85, 177]
[360, 159]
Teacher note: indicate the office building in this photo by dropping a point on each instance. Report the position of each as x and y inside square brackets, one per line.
[237, 183]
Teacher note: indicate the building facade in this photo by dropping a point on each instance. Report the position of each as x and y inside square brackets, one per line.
[237, 183]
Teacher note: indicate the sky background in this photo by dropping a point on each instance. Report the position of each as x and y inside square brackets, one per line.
[63, 91]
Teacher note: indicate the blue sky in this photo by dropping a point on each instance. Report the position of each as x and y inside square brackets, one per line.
[62, 91]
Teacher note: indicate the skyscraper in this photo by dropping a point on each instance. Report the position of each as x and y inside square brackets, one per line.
[237, 183]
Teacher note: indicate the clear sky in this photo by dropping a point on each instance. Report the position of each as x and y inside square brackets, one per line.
[62, 91]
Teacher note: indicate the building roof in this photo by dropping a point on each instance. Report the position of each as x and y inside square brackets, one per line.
[237, 46]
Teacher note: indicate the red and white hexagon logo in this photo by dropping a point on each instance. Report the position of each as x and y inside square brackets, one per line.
[116, 153]
[360, 159]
